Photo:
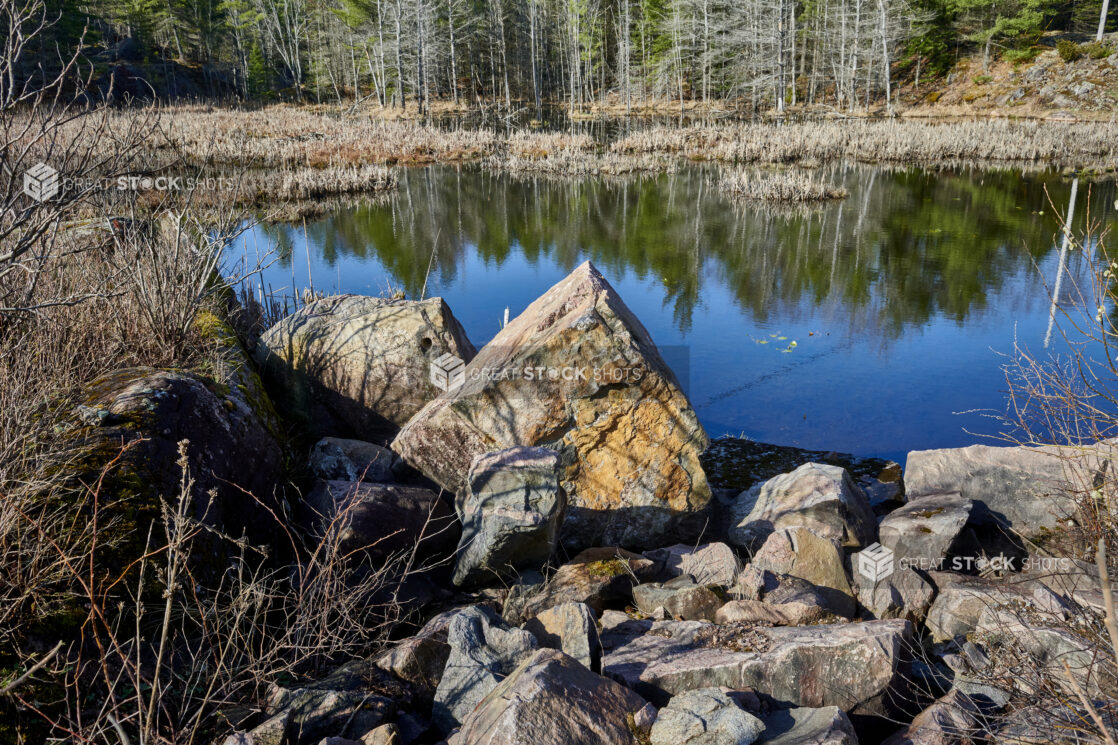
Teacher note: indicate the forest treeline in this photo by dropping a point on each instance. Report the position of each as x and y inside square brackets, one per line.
[618, 54]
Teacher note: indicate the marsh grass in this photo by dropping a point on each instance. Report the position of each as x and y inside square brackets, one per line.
[898, 141]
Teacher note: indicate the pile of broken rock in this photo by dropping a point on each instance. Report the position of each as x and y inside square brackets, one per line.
[618, 578]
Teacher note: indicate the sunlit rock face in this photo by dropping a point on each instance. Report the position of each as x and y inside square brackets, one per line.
[359, 364]
[576, 372]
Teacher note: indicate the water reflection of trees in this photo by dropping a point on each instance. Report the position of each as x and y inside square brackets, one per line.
[904, 247]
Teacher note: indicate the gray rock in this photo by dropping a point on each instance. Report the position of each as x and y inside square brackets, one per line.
[800, 552]
[551, 698]
[682, 598]
[827, 725]
[860, 667]
[359, 363]
[272, 731]
[903, 594]
[630, 459]
[383, 520]
[335, 459]
[510, 511]
[1031, 489]
[704, 717]
[483, 651]
[816, 496]
[925, 529]
[960, 600]
[791, 602]
[573, 630]
[708, 564]
[951, 720]
[341, 704]
[735, 464]
[418, 660]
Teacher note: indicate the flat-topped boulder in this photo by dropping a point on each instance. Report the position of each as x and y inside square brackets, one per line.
[1033, 489]
[926, 529]
[859, 667]
[357, 364]
[577, 373]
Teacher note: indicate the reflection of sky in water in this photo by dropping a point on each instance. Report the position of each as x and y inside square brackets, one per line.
[899, 299]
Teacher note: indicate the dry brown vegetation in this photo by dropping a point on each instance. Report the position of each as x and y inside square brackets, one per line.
[886, 141]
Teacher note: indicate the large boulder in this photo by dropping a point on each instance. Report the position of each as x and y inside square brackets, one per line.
[483, 652]
[827, 725]
[859, 667]
[510, 510]
[127, 432]
[925, 530]
[799, 552]
[551, 698]
[382, 520]
[359, 364]
[576, 372]
[1032, 489]
[707, 716]
[816, 496]
[573, 630]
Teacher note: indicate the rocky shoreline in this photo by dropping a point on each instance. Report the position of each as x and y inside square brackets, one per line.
[586, 566]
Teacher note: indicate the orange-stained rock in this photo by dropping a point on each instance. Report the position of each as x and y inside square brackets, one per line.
[577, 372]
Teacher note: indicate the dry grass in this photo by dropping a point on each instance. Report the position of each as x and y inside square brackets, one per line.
[291, 137]
[783, 186]
[889, 141]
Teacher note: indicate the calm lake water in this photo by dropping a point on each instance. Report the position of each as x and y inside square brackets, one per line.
[875, 325]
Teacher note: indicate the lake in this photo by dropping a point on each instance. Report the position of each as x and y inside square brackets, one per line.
[875, 325]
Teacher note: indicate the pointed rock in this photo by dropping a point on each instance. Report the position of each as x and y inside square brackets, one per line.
[576, 372]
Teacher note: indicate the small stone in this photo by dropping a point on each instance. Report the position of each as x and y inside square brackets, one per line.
[681, 598]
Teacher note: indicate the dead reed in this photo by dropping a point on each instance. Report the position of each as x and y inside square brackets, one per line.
[894, 141]
[782, 186]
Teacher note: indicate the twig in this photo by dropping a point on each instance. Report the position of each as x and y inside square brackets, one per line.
[6, 690]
